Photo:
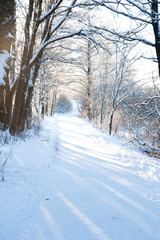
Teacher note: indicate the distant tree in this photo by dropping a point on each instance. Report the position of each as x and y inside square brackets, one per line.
[122, 84]
[63, 105]
[80, 61]
[102, 93]
[86, 77]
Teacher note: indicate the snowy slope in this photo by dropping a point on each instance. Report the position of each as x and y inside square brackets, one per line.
[74, 183]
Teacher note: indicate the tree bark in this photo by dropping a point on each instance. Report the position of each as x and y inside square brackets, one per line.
[111, 122]
[155, 24]
[89, 109]
[7, 40]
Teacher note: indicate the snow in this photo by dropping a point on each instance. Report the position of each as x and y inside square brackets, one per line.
[3, 59]
[9, 35]
[73, 182]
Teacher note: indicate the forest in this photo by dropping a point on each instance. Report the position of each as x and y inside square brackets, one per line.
[103, 54]
[79, 120]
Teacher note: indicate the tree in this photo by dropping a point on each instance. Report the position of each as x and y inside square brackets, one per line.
[47, 84]
[143, 16]
[63, 104]
[122, 81]
[102, 85]
[79, 62]
[86, 76]
[51, 24]
[7, 51]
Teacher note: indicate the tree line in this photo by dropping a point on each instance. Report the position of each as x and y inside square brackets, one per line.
[58, 33]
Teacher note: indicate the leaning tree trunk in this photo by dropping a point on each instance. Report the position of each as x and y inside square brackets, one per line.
[7, 40]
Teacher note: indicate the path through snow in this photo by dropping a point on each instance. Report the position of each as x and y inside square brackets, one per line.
[74, 183]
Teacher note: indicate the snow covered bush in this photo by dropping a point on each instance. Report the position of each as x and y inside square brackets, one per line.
[5, 138]
[63, 104]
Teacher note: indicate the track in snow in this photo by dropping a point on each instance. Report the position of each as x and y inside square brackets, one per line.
[89, 189]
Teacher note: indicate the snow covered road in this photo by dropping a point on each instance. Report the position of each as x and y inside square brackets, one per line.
[74, 183]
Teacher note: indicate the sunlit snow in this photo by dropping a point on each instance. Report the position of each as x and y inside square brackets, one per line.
[73, 182]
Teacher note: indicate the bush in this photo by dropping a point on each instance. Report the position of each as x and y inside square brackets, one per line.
[63, 105]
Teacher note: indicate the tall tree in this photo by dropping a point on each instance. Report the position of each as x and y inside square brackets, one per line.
[7, 40]
[50, 24]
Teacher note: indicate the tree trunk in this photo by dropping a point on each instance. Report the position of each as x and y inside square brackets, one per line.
[89, 109]
[54, 98]
[22, 113]
[7, 40]
[110, 124]
[101, 114]
[17, 124]
[155, 24]
[28, 108]
[111, 121]
[101, 120]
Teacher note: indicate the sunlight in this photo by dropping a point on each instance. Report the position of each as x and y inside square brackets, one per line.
[95, 230]
[51, 223]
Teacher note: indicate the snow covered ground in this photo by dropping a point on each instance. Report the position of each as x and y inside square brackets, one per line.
[72, 182]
